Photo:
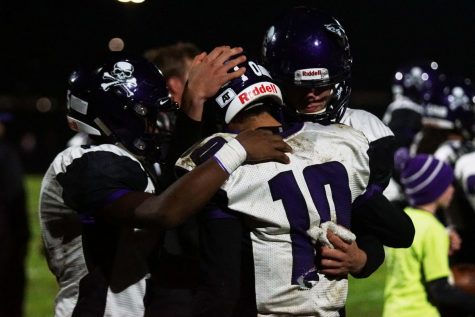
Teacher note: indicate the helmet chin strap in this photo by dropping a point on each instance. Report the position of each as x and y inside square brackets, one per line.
[316, 112]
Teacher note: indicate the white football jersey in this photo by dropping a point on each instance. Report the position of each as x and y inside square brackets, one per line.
[370, 125]
[101, 269]
[399, 103]
[465, 175]
[285, 205]
[450, 151]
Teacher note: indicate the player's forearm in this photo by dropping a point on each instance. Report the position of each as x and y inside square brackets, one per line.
[183, 198]
[192, 104]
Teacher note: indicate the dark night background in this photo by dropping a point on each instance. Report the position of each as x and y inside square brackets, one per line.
[42, 41]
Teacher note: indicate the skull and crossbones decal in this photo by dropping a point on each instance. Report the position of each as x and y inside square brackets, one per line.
[120, 76]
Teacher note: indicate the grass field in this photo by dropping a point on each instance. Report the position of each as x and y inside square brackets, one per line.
[365, 296]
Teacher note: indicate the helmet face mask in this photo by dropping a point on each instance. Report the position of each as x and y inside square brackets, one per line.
[120, 100]
[308, 48]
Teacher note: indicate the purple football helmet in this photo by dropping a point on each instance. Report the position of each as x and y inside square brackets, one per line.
[247, 91]
[308, 48]
[416, 81]
[451, 106]
[120, 100]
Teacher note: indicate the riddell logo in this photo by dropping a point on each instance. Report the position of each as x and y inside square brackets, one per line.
[256, 90]
[312, 74]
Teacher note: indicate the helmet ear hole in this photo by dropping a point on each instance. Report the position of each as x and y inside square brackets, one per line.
[117, 98]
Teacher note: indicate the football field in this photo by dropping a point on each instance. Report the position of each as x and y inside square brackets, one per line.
[365, 296]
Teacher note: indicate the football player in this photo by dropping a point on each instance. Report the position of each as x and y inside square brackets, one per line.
[449, 121]
[180, 244]
[419, 282]
[275, 260]
[308, 54]
[96, 201]
[413, 86]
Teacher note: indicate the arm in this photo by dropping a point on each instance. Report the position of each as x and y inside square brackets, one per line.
[443, 295]
[381, 161]
[192, 191]
[382, 219]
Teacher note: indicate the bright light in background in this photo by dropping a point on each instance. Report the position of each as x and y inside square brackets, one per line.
[133, 1]
[116, 44]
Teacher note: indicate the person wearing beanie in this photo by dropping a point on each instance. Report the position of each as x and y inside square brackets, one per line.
[417, 282]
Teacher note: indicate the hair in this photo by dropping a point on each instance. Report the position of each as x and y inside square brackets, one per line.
[172, 59]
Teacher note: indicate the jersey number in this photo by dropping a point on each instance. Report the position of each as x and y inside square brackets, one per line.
[330, 193]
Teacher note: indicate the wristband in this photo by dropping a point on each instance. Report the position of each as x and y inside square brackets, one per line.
[231, 156]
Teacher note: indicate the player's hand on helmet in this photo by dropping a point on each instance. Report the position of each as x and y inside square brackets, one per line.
[263, 145]
[346, 258]
[208, 72]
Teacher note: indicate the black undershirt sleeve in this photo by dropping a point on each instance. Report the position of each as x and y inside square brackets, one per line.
[381, 161]
[445, 296]
[387, 222]
[374, 251]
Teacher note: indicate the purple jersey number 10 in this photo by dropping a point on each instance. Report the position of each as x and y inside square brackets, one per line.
[322, 180]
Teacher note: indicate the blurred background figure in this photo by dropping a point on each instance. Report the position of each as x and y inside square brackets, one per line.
[412, 87]
[451, 112]
[174, 61]
[14, 229]
[417, 283]
[448, 132]
[448, 116]
[462, 211]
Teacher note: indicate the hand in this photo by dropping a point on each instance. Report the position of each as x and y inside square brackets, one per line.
[345, 258]
[263, 145]
[207, 74]
[455, 241]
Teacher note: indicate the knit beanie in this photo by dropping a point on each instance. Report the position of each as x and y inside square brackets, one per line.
[424, 177]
